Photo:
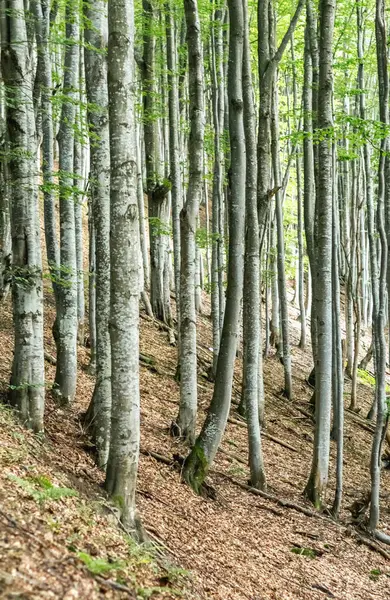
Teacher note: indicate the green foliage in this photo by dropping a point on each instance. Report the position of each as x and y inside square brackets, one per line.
[97, 565]
[159, 227]
[203, 240]
[374, 574]
[41, 489]
[367, 379]
[25, 276]
[25, 386]
[175, 574]
[308, 552]
[142, 553]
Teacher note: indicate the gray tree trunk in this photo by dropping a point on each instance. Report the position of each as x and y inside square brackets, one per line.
[309, 186]
[282, 286]
[5, 222]
[252, 369]
[174, 151]
[78, 183]
[203, 453]
[337, 356]
[186, 420]
[379, 317]
[124, 255]
[217, 92]
[28, 377]
[97, 95]
[65, 327]
[316, 486]
[42, 28]
[157, 187]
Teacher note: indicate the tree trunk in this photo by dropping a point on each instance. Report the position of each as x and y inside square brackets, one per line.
[205, 448]
[316, 486]
[97, 95]
[309, 187]
[42, 28]
[174, 151]
[217, 92]
[78, 215]
[251, 306]
[65, 327]
[282, 287]
[337, 355]
[5, 222]
[28, 377]
[157, 187]
[124, 254]
[186, 420]
[379, 317]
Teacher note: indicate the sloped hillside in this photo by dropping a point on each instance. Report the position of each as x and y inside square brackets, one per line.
[60, 537]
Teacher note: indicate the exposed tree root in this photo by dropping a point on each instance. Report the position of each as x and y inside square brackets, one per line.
[370, 543]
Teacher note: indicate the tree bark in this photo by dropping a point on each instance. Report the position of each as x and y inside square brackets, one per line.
[65, 327]
[97, 95]
[316, 486]
[28, 377]
[186, 420]
[122, 463]
[202, 455]
[252, 370]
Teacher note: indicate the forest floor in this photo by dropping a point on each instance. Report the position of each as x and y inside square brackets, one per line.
[59, 537]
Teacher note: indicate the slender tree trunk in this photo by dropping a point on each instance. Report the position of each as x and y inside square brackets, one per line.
[28, 377]
[337, 355]
[203, 453]
[157, 187]
[251, 306]
[379, 317]
[65, 327]
[301, 272]
[5, 221]
[124, 253]
[282, 286]
[186, 420]
[42, 28]
[78, 215]
[97, 95]
[217, 193]
[174, 151]
[309, 187]
[316, 486]
[92, 290]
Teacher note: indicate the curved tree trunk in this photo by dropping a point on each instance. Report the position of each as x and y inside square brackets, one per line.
[205, 448]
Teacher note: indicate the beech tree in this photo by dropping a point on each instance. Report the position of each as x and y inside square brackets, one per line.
[123, 456]
[27, 387]
[316, 486]
[206, 445]
[97, 94]
[185, 424]
[66, 324]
